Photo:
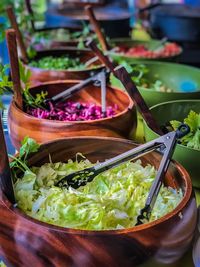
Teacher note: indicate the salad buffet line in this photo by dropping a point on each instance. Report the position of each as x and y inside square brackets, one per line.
[108, 147]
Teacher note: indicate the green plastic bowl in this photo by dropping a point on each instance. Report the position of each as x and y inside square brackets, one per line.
[178, 110]
[183, 80]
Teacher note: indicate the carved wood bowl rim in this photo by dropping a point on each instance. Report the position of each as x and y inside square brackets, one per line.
[130, 106]
[175, 212]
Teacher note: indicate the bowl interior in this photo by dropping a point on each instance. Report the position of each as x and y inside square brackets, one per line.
[183, 82]
[131, 246]
[174, 110]
[100, 149]
[179, 78]
[128, 43]
[84, 55]
[90, 94]
[178, 110]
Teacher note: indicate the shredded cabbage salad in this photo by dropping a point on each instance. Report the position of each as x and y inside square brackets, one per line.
[111, 201]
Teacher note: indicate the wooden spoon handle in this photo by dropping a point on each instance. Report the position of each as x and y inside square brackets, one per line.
[104, 59]
[121, 73]
[5, 174]
[102, 40]
[30, 11]
[13, 22]
[14, 65]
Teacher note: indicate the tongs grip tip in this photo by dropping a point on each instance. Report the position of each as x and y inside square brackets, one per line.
[182, 130]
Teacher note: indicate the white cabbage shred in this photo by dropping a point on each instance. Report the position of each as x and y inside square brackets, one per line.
[111, 201]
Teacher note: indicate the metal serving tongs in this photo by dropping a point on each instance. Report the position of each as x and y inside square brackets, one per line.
[124, 77]
[165, 144]
[96, 79]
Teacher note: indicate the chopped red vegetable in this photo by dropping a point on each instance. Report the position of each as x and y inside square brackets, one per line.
[169, 49]
[72, 111]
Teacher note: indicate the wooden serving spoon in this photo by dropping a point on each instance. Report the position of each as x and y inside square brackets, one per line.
[14, 65]
[30, 11]
[102, 40]
[121, 73]
[5, 173]
[13, 21]
[14, 62]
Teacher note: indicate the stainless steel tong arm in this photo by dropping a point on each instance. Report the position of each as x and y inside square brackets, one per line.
[77, 87]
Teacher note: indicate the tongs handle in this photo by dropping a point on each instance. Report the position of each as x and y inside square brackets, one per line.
[165, 142]
[169, 140]
[74, 89]
[81, 178]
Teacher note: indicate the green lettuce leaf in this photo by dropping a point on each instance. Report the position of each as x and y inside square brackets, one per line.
[192, 139]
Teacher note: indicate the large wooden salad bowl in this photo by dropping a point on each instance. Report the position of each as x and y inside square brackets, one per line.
[28, 242]
[121, 124]
[44, 75]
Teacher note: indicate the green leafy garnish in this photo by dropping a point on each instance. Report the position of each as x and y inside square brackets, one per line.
[5, 84]
[25, 75]
[29, 145]
[2, 264]
[29, 100]
[23, 17]
[57, 63]
[192, 139]
[138, 74]
[45, 38]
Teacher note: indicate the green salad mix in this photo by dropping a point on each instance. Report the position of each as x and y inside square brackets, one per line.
[57, 63]
[191, 140]
[5, 84]
[138, 74]
[111, 201]
[45, 38]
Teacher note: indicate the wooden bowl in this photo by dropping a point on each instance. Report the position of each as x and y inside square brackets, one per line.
[43, 75]
[121, 125]
[28, 242]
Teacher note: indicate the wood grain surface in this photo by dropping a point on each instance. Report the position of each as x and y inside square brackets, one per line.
[13, 22]
[120, 125]
[94, 22]
[30, 12]
[27, 242]
[14, 66]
